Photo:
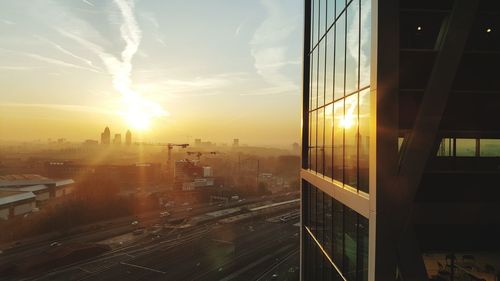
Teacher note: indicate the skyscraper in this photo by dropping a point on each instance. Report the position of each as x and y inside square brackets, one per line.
[399, 145]
[128, 138]
[118, 139]
[106, 136]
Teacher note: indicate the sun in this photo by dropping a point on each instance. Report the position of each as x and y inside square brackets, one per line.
[140, 112]
[138, 121]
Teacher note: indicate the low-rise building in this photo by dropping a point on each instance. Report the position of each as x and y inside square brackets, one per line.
[16, 203]
[22, 194]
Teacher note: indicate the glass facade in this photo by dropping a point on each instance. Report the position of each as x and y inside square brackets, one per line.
[335, 239]
[339, 89]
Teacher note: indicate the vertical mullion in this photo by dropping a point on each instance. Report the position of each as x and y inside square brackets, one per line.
[358, 141]
[344, 93]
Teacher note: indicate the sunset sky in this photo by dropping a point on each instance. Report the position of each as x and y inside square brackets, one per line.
[168, 70]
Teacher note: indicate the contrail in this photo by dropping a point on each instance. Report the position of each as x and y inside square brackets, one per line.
[139, 110]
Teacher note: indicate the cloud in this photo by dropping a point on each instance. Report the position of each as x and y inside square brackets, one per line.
[64, 107]
[88, 3]
[137, 107]
[8, 22]
[269, 48]
[52, 61]
[161, 41]
[58, 62]
[197, 86]
[238, 29]
[69, 53]
[18, 67]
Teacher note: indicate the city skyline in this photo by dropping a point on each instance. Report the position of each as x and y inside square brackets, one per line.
[81, 77]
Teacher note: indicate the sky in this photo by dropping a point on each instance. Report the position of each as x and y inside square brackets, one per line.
[168, 70]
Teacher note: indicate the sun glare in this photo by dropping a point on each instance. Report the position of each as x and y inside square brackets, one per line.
[138, 121]
[140, 112]
[347, 122]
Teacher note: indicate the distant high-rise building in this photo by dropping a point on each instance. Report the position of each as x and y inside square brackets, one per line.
[117, 139]
[128, 138]
[400, 143]
[236, 142]
[197, 142]
[106, 136]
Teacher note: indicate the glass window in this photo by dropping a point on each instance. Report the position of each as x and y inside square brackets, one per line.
[446, 147]
[400, 143]
[350, 243]
[330, 12]
[338, 233]
[490, 147]
[312, 158]
[312, 212]
[330, 55]
[339, 6]
[352, 47]
[319, 217]
[362, 261]
[313, 122]
[311, 27]
[339, 57]
[305, 202]
[315, 19]
[320, 141]
[328, 125]
[321, 127]
[314, 80]
[321, 74]
[328, 215]
[320, 160]
[465, 147]
[350, 124]
[364, 139]
[322, 17]
[328, 165]
[365, 43]
[338, 141]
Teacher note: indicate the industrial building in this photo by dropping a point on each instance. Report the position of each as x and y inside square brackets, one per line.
[16, 203]
[400, 139]
[23, 194]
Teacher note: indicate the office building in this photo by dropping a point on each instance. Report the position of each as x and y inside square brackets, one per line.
[400, 139]
[128, 138]
[118, 139]
[106, 136]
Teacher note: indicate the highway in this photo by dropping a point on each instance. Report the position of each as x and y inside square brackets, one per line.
[258, 248]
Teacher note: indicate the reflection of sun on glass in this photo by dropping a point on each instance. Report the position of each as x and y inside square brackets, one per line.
[347, 122]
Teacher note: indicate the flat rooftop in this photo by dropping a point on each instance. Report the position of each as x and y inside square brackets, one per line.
[8, 197]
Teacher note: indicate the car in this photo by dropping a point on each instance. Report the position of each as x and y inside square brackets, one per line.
[55, 244]
[135, 223]
[274, 277]
[164, 214]
[189, 209]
